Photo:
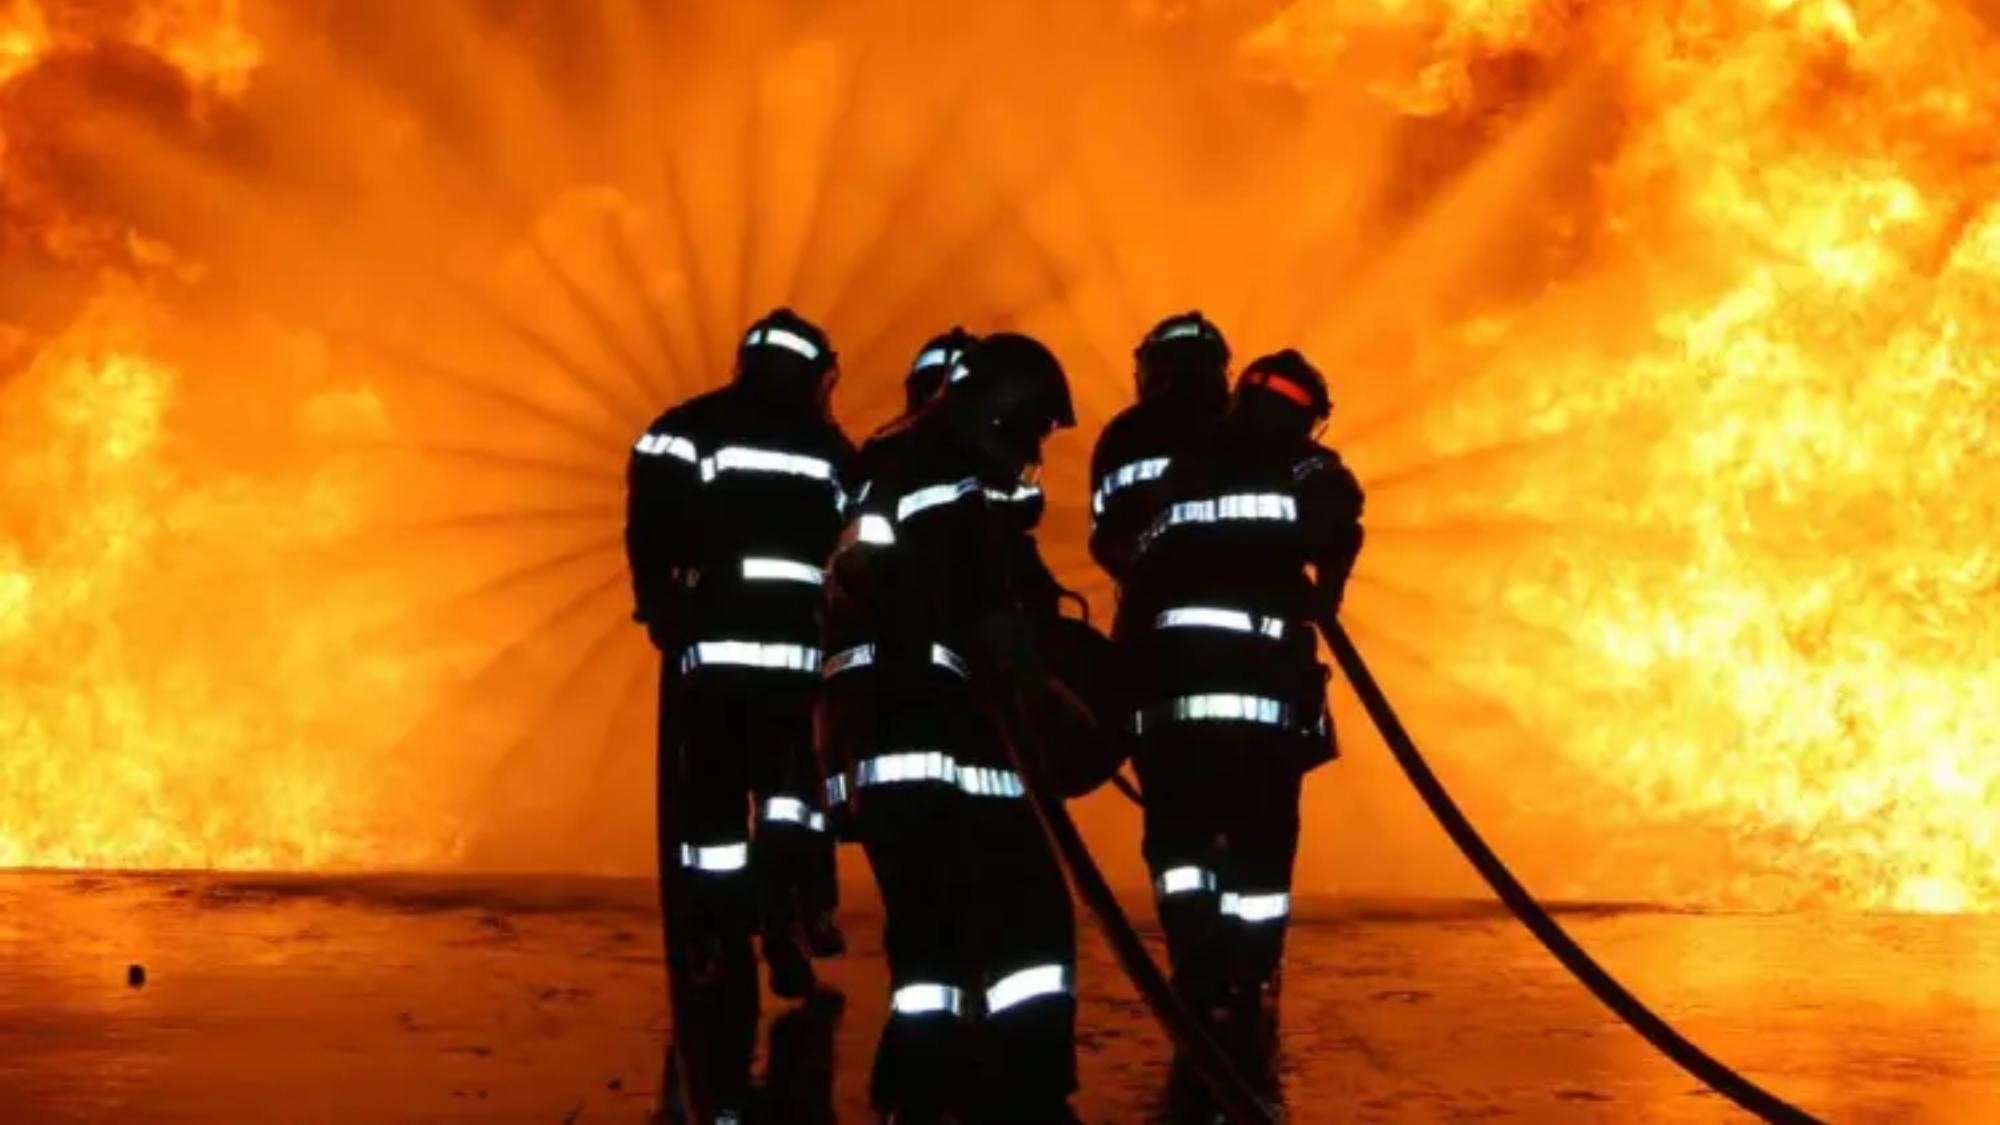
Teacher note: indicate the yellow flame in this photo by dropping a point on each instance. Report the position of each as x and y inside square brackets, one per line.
[24, 37]
[166, 705]
[205, 39]
[1786, 651]
[1723, 554]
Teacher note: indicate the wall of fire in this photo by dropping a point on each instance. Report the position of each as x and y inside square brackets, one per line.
[1664, 337]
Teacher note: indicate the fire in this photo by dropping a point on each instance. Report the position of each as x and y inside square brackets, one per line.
[1665, 337]
[170, 695]
[204, 39]
[1761, 626]
[24, 36]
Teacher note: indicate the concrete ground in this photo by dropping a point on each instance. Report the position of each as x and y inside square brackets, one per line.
[442, 1000]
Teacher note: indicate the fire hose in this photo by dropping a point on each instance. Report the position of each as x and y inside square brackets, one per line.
[1234, 1097]
[686, 1072]
[1711, 1071]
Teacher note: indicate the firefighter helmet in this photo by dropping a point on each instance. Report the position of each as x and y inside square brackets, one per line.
[1184, 350]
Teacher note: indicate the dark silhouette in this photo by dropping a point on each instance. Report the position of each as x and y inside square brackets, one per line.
[734, 501]
[798, 1074]
[1017, 506]
[1253, 530]
[925, 629]
[1183, 385]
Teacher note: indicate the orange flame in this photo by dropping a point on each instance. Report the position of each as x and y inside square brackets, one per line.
[1665, 337]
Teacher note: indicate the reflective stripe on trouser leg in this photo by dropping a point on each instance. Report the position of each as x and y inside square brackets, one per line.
[1256, 909]
[1023, 985]
[919, 766]
[721, 859]
[1186, 879]
[1018, 904]
[926, 998]
[914, 852]
[1255, 926]
[791, 812]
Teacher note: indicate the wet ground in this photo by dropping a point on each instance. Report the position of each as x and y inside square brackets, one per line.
[432, 1000]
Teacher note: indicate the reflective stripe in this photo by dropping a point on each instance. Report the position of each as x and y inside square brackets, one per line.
[751, 654]
[1219, 707]
[984, 781]
[945, 658]
[782, 338]
[935, 357]
[728, 1117]
[750, 459]
[1256, 908]
[1209, 617]
[791, 810]
[1020, 495]
[861, 656]
[1185, 880]
[920, 765]
[1021, 987]
[933, 765]
[1180, 331]
[669, 445]
[1242, 506]
[924, 999]
[836, 790]
[715, 857]
[782, 570]
[958, 374]
[924, 499]
[1124, 476]
[875, 530]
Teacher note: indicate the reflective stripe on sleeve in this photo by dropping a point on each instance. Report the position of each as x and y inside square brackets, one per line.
[750, 654]
[1124, 476]
[924, 499]
[782, 570]
[667, 445]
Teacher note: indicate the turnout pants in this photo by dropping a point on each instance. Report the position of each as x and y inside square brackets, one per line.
[1222, 830]
[980, 938]
[756, 847]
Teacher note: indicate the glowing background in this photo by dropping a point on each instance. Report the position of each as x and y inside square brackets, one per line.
[1664, 336]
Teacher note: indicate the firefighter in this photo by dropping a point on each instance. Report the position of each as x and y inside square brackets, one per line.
[1018, 505]
[733, 505]
[1257, 529]
[1183, 386]
[925, 637]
